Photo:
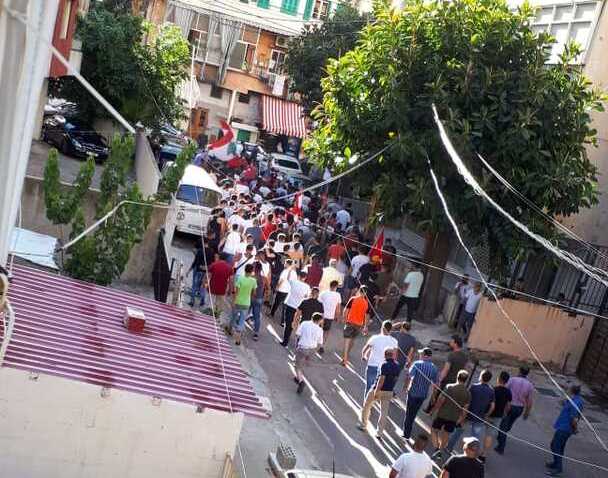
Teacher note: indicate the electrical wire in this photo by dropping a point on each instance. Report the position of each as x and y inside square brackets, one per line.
[571, 259]
[546, 216]
[233, 8]
[24, 19]
[217, 336]
[377, 316]
[504, 312]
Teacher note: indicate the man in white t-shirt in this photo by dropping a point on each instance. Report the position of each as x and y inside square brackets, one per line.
[373, 352]
[282, 288]
[415, 464]
[298, 291]
[330, 274]
[358, 261]
[309, 337]
[343, 218]
[231, 243]
[332, 302]
[472, 299]
[410, 293]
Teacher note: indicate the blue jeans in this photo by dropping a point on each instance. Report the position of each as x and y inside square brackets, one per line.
[506, 424]
[239, 314]
[371, 373]
[256, 310]
[197, 280]
[476, 429]
[411, 410]
[558, 446]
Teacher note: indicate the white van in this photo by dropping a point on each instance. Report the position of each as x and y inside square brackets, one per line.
[197, 195]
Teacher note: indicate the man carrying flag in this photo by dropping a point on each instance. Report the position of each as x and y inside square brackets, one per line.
[376, 250]
[224, 148]
[296, 208]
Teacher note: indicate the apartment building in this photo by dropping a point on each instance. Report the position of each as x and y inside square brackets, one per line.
[239, 51]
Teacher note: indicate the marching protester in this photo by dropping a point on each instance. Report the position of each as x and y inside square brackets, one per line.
[298, 291]
[374, 353]
[422, 374]
[410, 292]
[415, 464]
[309, 338]
[466, 465]
[355, 317]
[332, 302]
[381, 390]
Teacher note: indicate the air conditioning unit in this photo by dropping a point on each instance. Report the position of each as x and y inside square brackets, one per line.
[281, 41]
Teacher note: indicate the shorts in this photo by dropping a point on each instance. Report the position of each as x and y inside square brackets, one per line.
[442, 424]
[303, 356]
[327, 324]
[351, 331]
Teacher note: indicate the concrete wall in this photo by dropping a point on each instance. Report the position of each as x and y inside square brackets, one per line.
[54, 427]
[147, 173]
[558, 338]
[591, 224]
[141, 261]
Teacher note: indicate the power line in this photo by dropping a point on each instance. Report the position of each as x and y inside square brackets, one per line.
[571, 259]
[546, 216]
[377, 316]
[24, 19]
[504, 312]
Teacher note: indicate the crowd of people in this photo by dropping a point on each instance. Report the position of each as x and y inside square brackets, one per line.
[302, 260]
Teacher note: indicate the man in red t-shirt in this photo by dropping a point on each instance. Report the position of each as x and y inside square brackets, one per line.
[336, 250]
[220, 273]
[269, 227]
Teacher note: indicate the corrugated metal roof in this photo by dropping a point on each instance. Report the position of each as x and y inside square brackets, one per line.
[75, 330]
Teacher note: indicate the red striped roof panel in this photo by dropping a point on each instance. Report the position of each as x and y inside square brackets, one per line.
[75, 330]
[283, 117]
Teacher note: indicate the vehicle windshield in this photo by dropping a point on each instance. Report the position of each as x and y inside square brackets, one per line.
[285, 163]
[197, 196]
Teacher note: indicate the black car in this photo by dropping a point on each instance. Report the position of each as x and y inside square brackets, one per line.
[74, 138]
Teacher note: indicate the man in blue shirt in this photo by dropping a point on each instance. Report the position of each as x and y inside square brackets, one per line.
[565, 425]
[422, 374]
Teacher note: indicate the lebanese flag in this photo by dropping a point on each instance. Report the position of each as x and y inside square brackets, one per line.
[377, 247]
[296, 209]
[224, 148]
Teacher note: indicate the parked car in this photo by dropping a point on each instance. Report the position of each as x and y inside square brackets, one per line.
[287, 165]
[60, 107]
[74, 138]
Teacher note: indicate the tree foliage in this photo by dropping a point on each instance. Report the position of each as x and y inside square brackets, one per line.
[485, 69]
[140, 80]
[62, 203]
[101, 256]
[309, 52]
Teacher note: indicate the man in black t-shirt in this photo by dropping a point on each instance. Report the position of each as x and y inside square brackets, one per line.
[309, 306]
[466, 465]
[502, 404]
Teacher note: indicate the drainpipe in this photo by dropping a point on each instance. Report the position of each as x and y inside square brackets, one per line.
[231, 107]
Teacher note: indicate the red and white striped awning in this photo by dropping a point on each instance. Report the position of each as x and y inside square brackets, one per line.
[283, 117]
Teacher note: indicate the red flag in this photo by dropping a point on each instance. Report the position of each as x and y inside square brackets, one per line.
[376, 250]
[296, 209]
[225, 147]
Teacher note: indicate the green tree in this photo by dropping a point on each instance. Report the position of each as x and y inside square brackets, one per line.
[101, 256]
[308, 53]
[140, 80]
[485, 69]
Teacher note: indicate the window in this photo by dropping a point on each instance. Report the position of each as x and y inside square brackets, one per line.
[264, 3]
[216, 92]
[65, 19]
[568, 22]
[308, 9]
[290, 7]
[244, 98]
[243, 55]
[321, 9]
[243, 136]
[197, 195]
[277, 61]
